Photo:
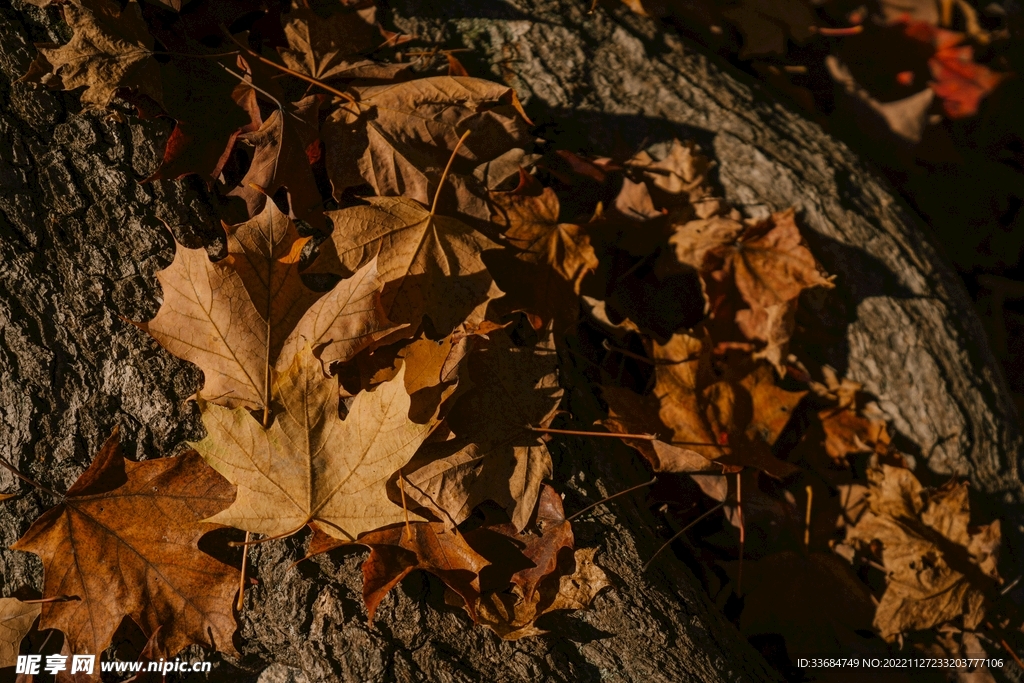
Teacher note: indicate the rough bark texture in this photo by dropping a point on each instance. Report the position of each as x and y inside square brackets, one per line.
[81, 239]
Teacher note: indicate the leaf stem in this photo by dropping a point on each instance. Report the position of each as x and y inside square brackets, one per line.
[444, 176]
[28, 480]
[807, 520]
[577, 432]
[43, 601]
[241, 575]
[611, 497]
[405, 508]
[680, 533]
[280, 67]
[739, 511]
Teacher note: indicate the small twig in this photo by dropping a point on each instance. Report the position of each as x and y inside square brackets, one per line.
[838, 32]
[241, 575]
[1006, 646]
[680, 533]
[28, 480]
[280, 67]
[577, 432]
[644, 359]
[807, 520]
[611, 497]
[444, 176]
[739, 512]
[247, 542]
[59, 598]
[1010, 586]
[405, 508]
[698, 443]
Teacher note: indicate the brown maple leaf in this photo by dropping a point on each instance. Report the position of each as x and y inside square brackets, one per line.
[399, 550]
[307, 464]
[398, 137]
[285, 145]
[430, 264]
[731, 420]
[511, 616]
[494, 455]
[124, 542]
[324, 48]
[241, 317]
[529, 216]
[16, 619]
[755, 282]
[111, 48]
[937, 570]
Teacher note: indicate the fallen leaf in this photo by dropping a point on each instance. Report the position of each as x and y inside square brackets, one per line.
[397, 551]
[529, 217]
[958, 79]
[937, 571]
[511, 616]
[324, 48]
[282, 159]
[495, 456]
[431, 264]
[111, 48]
[309, 465]
[240, 317]
[16, 619]
[400, 136]
[768, 267]
[124, 542]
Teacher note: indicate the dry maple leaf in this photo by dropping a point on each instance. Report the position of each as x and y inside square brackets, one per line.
[321, 47]
[495, 456]
[679, 177]
[430, 264]
[397, 551]
[732, 420]
[511, 616]
[399, 136]
[937, 570]
[284, 147]
[309, 465]
[16, 619]
[111, 48]
[124, 541]
[529, 218]
[958, 79]
[239, 317]
[768, 267]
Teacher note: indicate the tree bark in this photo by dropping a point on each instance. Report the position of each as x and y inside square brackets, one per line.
[81, 239]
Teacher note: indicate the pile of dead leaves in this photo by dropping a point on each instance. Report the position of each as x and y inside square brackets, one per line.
[407, 282]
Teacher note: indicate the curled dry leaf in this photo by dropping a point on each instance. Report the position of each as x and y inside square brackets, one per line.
[511, 616]
[111, 48]
[235, 317]
[285, 146]
[430, 264]
[495, 456]
[679, 177]
[937, 570]
[93, 547]
[309, 465]
[399, 137]
[16, 619]
[397, 551]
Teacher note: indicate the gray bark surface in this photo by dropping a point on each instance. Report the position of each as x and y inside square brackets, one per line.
[81, 240]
